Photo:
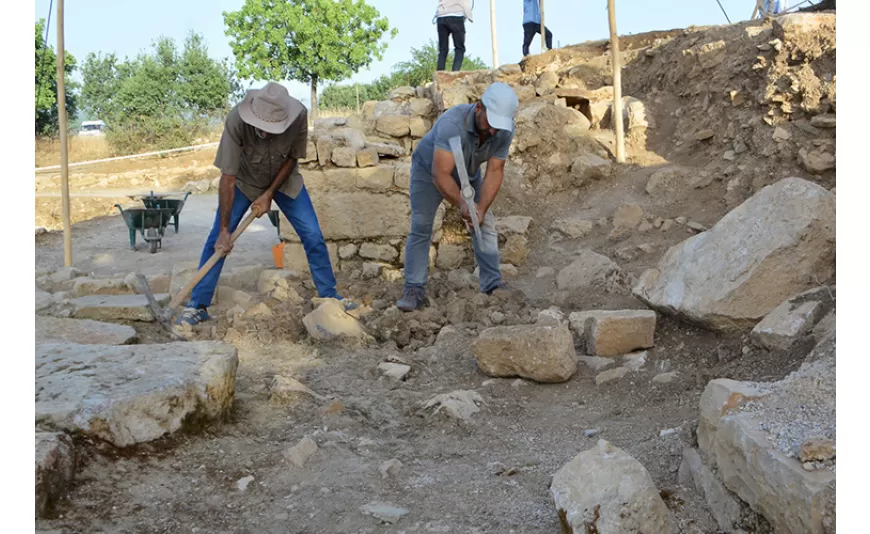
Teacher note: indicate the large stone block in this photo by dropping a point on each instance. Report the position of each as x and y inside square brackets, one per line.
[55, 468]
[82, 331]
[612, 333]
[134, 393]
[779, 242]
[357, 215]
[540, 353]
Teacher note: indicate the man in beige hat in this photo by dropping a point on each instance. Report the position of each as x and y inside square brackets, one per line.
[264, 137]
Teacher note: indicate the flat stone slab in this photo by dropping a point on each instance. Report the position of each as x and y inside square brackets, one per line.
[55, 467]
[82, 331]
[135, 393]
[116, 307]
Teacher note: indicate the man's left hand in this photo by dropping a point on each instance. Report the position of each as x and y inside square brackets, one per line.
[262, 205]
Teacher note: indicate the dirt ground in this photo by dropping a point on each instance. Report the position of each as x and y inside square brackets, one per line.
[486, 475]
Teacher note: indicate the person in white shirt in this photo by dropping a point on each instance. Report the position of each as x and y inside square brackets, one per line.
[450, 18]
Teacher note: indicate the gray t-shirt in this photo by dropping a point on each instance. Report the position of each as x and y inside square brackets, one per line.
[459, 121]
[254, 161]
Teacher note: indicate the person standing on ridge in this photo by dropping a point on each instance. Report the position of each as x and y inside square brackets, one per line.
[450, 18]
[532, 25]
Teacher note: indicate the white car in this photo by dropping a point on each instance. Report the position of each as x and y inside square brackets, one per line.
[92, 128]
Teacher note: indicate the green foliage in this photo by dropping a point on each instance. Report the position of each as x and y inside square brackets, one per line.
[415, 72]
[161, 99]
[305, 40]
[45, 89]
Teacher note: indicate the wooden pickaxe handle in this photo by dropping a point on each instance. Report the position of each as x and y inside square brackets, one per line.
[185, 291]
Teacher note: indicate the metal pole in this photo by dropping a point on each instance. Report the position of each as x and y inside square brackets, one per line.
[616, 115]
[64, 147]
[492, 30]
[543, 30]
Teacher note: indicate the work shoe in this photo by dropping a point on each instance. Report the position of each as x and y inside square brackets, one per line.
[192, 316]
[347, 303]
[412, 299]
[502, 286]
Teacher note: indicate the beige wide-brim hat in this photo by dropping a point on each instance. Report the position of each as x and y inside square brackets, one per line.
[270, 109]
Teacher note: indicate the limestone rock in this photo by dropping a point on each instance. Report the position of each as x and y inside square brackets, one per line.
[367, 157]
[329, 321]
[344, 156]
[612, 374]
[419, 127]
[574, 227]
[55, 468]
[785, 324]
[589, 269]
[388, 149]
[348, 251]
[824, 121]
[667, 184]
[459, 404]
[772, 246]
[540, 353]
[378, 178]
[396, 371]
[515, 250]
[817, 160]
[116, 307]
[87, 286]
[358, 215]
[394, 125]
[300, 453]
[270, 279]
[82, 331]
[589, 167]
[625, 221]
[374, 251]
[724, 506]
[388, 513]
[546, 82]
[134, 393]
[611, 333]
[514, 224]
[421, 107]
[605, 490]
[450, 256]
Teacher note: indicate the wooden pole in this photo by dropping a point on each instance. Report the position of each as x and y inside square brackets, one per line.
[755, 11]
[64, 147]
[616, 115]
[356, 85]
[492, 31]
[543, 30]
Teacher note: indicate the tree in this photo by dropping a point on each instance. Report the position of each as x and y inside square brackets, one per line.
[163, 98]
[305, 40]
[45, 89]
[415, 72]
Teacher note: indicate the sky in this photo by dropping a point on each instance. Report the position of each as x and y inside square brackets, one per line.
[126, 27]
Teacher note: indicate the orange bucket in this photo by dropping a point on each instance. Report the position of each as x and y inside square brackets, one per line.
[278, 255]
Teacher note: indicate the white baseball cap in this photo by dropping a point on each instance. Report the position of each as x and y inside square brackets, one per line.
[501, 104]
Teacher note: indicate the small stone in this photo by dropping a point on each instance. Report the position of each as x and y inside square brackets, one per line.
[514, 224]
[781, 134]
[497, 317]
[508, 270]
[818, 449]
[388, 513]
[681, 220]
[367, 157]
[625, 220]
[242, 483]
[330, 321]
[596, 363]
[390, 468]
[396, 371]
[665, 378]
[668, 432]
[729, 155]
[636, 361]
[371, 270]
[374, 251]
[667, 224]
[607, 376]
[259, 310]
[300, 453]
[591, 432]
[515, 250]
[696, 226]
[824, 121]
[543, 272]
[703, 135]
[450, 256]
[347, 251]
[573, 228]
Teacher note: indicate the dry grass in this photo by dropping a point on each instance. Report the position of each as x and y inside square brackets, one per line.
[324, 113]
[80, 149]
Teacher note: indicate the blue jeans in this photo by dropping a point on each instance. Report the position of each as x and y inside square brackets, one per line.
[425, 199]
[300, 213]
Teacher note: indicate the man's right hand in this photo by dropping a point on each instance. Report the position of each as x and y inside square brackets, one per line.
[224, 242]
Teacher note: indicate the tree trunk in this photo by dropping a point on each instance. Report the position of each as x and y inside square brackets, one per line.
[313, 97]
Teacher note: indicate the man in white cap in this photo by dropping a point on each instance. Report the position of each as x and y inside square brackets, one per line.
[264, 137]
[486, 130]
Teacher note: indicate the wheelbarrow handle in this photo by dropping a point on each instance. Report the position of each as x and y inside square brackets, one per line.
[185, 196]
[206, 267]
[120, 208]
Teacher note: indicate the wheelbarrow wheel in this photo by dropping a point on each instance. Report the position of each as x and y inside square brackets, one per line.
[153, 246]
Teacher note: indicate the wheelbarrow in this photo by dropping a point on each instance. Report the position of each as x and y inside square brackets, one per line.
[150, 222]
[174, 204]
